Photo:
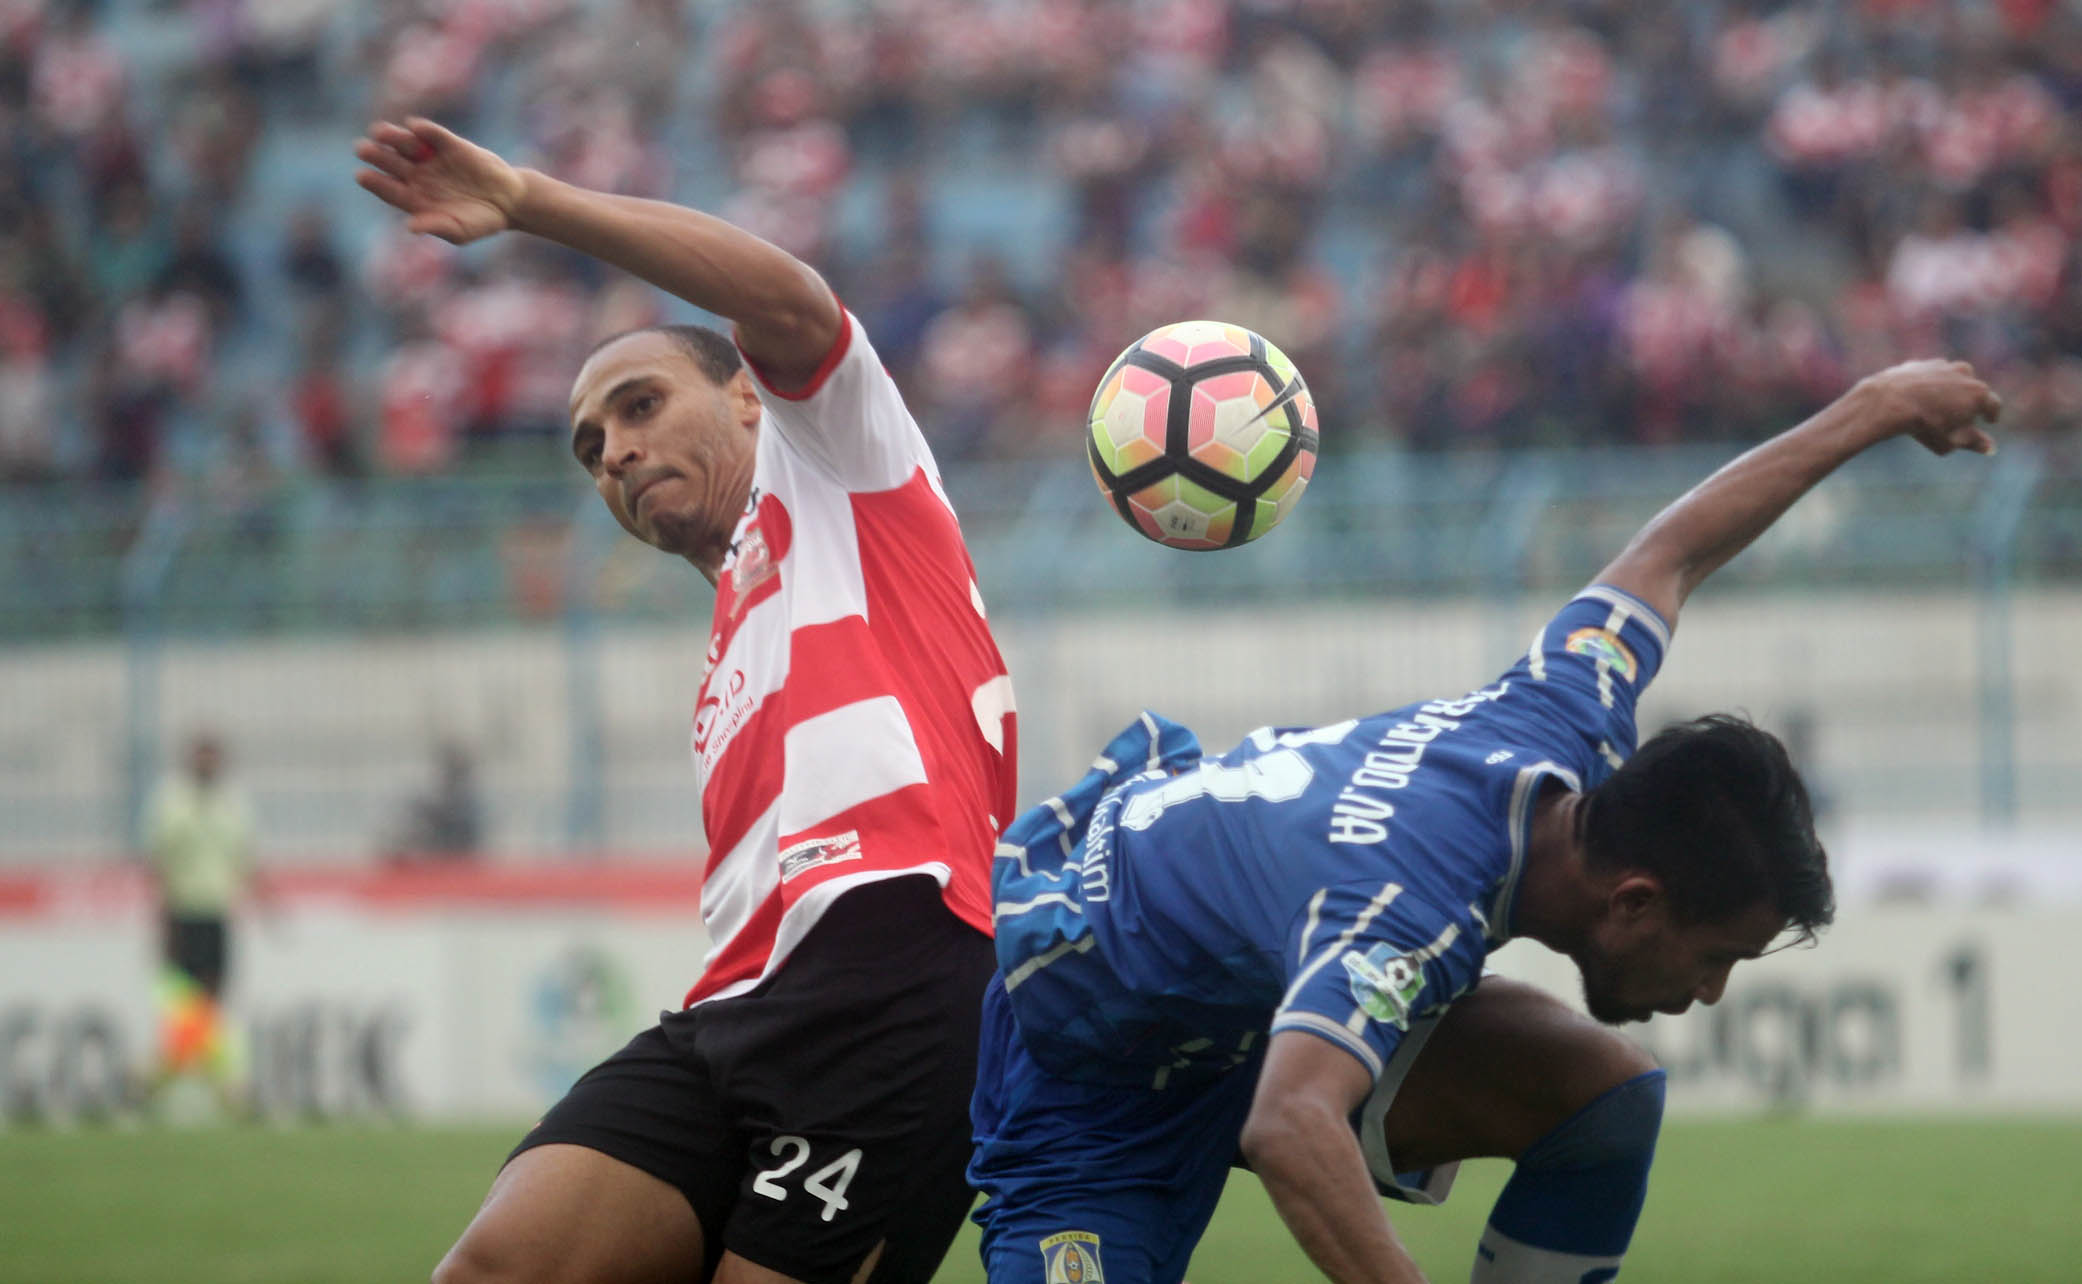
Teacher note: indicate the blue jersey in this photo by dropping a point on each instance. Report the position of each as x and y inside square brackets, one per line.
[1160, 919]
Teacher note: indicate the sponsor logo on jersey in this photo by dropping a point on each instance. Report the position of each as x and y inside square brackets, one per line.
[1501, 755]
[1071, 1257]
[1385, 984]
[720, 714]
[1603, 644]
[811, 853]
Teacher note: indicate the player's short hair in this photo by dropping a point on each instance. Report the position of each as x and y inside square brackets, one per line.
[709, 349]
[1714, 809]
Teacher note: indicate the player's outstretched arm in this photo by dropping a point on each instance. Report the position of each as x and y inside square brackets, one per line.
[450, 187]
[1939, 403]
[1299, 1141]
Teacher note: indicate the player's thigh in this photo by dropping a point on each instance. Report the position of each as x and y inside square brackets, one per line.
[916, 1236]
[569, 1214]
[629, 1177]
[1088, 1181]
[850, 1077]
[1116, 1236]
[1507, 1063]
[736, 1270]
[846, 1166]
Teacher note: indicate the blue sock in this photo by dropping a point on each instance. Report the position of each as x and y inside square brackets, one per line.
[1568, 1211]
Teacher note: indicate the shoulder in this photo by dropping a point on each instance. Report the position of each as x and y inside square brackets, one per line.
[803, 385]
[848, 417]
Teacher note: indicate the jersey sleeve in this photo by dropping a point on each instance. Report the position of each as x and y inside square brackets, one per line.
[1366, 958]
[1588, 667]
[849, 418]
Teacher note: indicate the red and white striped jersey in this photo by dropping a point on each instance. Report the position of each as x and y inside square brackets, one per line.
[855, 721]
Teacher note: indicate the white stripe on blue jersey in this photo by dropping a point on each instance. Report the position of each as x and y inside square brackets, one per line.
[1381, 901]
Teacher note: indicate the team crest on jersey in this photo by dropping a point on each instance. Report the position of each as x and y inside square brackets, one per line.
[811, 853]
[1602, 644]
[1385, 984]
[754, 566]
[1071, 1258]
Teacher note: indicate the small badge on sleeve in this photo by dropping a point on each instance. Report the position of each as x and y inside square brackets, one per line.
[1385, 984]
[1071, 1257]
[1603, 644]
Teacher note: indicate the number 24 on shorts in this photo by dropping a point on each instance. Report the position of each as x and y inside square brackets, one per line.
[828, 1183]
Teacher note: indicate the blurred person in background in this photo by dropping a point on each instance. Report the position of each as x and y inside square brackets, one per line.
[804, 1116]
[198, 265]
[198, 842]
[309, 260]
[976, 361]
[447, 822]
[319, 400]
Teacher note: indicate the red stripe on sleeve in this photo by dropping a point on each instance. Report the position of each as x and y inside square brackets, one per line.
[831, 360]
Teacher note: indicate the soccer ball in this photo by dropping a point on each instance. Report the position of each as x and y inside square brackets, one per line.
[1203, 435]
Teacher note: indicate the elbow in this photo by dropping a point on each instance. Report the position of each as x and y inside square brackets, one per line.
[800, 305]
[791, 328]
[793, 323]
[1271, 1135]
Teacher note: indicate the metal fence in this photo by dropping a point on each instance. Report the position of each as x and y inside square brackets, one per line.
[463, 552]
[452, 558]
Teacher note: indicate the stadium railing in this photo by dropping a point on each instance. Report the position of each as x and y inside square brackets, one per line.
[504, 551]
[482, 550]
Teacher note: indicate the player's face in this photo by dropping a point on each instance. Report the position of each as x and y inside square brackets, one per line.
[669, 451]
[1641, 961]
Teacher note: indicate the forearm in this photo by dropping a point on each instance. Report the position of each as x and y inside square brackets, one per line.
[713, 265]
[1311, 1166]
[1721, 516]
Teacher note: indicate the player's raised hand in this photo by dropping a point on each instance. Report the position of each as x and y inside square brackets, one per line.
[1939, 403]
[449, 186]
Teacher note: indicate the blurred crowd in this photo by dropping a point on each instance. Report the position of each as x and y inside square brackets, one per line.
[1474, 223]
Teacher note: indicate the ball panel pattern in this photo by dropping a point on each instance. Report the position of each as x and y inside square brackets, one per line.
[1128, 418]
[1203, 435]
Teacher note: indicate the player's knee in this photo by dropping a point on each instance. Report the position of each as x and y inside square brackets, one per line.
[1621, 1060]
[472, 1261]
[458, 1266]
[1594, 1062]
[1619, 1125]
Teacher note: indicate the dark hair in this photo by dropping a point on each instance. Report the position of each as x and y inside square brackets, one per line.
[709, 349]
[1715, 811]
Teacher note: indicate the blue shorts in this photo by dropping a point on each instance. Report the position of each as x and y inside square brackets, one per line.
[1088, 1181]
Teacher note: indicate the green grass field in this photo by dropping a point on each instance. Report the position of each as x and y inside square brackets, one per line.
[1788, 1201]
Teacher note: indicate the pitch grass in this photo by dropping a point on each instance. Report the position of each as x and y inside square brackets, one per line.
[1785, 1200]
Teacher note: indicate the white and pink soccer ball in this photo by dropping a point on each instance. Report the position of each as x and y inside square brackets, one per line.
[1203, 435]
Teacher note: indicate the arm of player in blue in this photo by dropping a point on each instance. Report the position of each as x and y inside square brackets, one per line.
[1366, 958]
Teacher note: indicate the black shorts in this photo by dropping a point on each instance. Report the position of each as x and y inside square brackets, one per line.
[197, 946]
[822, 1113]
